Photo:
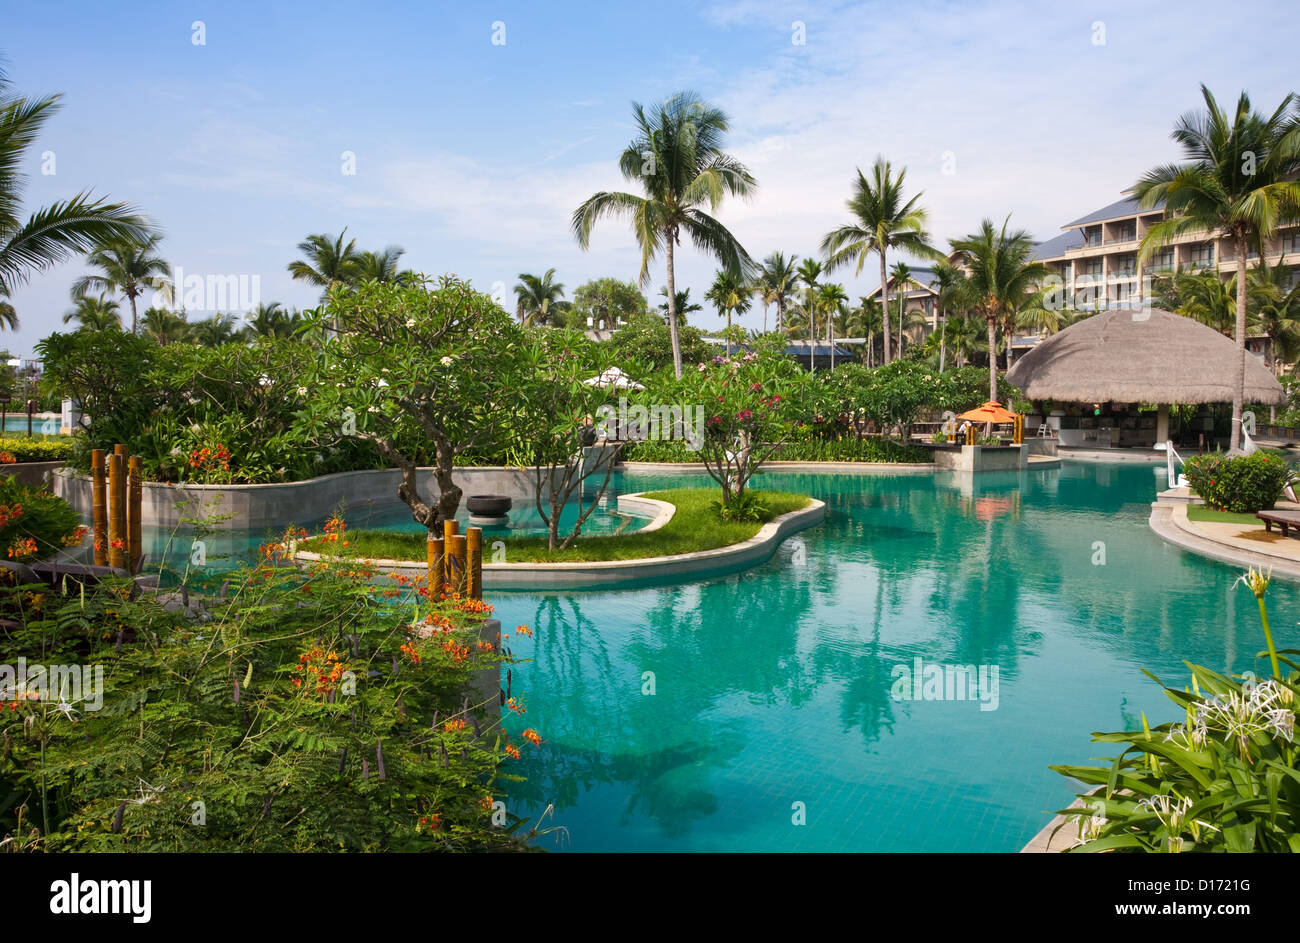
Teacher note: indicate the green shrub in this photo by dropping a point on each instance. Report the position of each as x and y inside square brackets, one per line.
[307, 713]
[36, 450]
[1225, 779]
[742, 508]
[33, 523]
[1242, 484]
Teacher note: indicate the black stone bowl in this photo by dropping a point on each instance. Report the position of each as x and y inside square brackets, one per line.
[488, 505]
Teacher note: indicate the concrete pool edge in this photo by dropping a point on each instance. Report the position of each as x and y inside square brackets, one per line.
[602, 574]
[1170, 524]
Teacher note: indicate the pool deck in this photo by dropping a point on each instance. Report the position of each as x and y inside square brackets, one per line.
[1242, 545]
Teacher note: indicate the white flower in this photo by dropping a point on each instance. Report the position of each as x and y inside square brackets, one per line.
[445, 361]
[410, 322]
[302, 391]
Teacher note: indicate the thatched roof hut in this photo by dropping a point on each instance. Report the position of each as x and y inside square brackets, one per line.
[1140, 356]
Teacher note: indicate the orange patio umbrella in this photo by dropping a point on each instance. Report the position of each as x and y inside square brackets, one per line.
[989, 412]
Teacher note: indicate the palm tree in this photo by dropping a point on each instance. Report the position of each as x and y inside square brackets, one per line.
[165, 327]
[951, 284]
[729, 296]
[271, 321]
[95, 314]
[53, 233]
[681, 303]
[538, 296]
[214, 331]
[901, 276]
[678, 160]
[8, 316]
[1239, 179]
[1277, 311]
[829, 300]
[382, 267]
[777, 277]
[327, 263]
[869, 318]
[126, 266]
[881, 221]
[1002, 275]
[808, 272]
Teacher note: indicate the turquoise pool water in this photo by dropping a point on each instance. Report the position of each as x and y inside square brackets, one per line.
[773, 686]
[225, 549]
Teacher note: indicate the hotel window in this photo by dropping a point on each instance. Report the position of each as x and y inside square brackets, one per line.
[1202, 255]
[1124, 266]
[1092, 268]
[1291, 242]
[1092, 236]
[1126, 232]
[1163, 261]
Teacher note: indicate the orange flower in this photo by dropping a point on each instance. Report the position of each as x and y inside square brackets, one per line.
[532, 737]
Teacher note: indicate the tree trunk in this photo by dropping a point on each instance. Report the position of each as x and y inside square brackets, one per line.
[133, 316]
[672, 308]
[943, 336]
[884, 304]
[812, 332]
[728, 335]
[1239, 386]
[780, 313]
[993, 359]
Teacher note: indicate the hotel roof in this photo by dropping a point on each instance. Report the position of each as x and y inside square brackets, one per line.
[1129, 206]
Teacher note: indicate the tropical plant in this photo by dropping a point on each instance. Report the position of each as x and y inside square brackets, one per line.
[729, 296]
[54, 233]
[537, 297]
[677, 158]
[1239, 178]
[8, 316]
[775, 281]
[682, 304]
[608, 300]
[1242, 484]
[95, 314]
[382, 266]
[427, 368]
[1002, 279]
[327, 262]
[272, 321]
[881, 221]
[1221, 780]
[642, 345]
[1277, 311]
[213, 331]
[164, 326]
[128, 267]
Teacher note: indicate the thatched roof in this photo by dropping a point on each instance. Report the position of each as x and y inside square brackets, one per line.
[1140, 356]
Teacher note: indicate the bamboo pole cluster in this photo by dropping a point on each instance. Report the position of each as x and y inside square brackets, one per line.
[117, 492]
[455, 561]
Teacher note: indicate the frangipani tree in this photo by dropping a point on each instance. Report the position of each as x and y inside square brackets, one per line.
[429, 368]
[752, 404]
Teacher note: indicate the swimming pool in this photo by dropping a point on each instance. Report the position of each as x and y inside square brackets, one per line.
[773, 687]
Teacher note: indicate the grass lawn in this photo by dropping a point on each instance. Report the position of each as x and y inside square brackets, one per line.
[1199, 512]
[695, 526]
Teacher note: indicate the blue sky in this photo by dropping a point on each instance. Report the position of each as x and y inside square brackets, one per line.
[472, 156]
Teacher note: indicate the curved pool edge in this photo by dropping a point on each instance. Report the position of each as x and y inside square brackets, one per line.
[1170, 524]
[606, 574]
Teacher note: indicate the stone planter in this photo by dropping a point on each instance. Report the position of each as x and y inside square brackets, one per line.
[33, 474]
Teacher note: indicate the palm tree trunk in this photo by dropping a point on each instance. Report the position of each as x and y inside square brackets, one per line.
[1239, 387]
[764, 316]
[943, 336]
[884, 303]
[728, 333]
[133, 315]
[812, 335]
[780, 313]
[830, 331]
[993, 359]
[672, 309]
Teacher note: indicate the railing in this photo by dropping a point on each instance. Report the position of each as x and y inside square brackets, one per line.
[1172, 459]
